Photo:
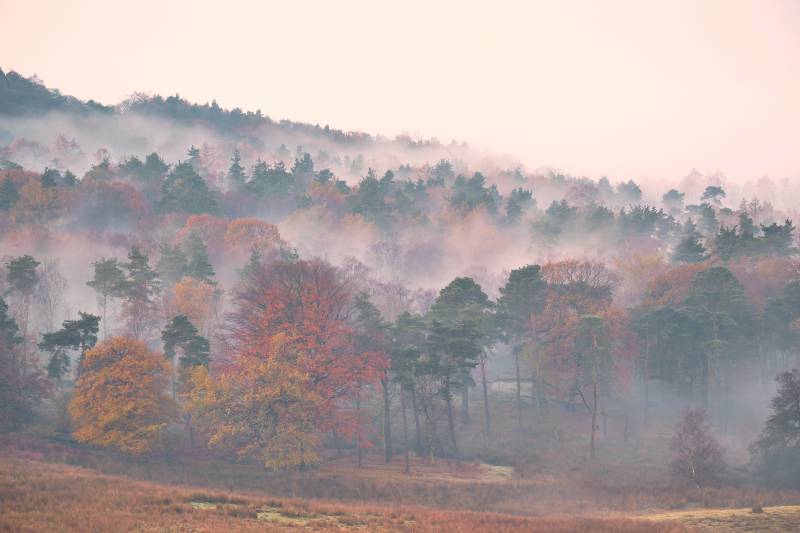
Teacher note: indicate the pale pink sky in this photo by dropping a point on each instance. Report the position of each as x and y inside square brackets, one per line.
[627, 88]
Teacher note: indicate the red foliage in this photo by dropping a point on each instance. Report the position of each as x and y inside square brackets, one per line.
[308, 302]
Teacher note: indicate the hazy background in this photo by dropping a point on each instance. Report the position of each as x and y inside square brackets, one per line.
[629, 89]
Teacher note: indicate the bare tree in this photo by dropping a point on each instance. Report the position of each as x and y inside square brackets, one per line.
[49, 293]
[698, 457]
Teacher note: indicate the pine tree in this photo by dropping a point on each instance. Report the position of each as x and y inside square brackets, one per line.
[108, 282]
[9, 194]
[689, 249]
[172, 263]
[236, 173]
[198, 265]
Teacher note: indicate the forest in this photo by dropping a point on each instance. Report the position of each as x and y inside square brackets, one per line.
[183, 281]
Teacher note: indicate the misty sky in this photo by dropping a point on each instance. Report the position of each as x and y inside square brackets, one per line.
[629, 89]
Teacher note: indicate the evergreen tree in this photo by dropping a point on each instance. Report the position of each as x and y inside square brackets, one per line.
[9, 194]
[236, 174]
[777, 451]
[185, 191]
[172, 264]
[689, 249]
[109, 282]
[181, 334]
[521, 298]
[78, 334]
[198, 265]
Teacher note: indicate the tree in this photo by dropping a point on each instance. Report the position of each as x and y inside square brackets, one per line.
[184, 191]
[522, 297]
[453, 351]
[407, 342]
[109, 282]
[593, 358]
[689, 249]
[21, 382]
[236, 174]
[673, 201]
[78, 335]
[713, 193]
[9, 194]
[197, 300]
[717, 301]
[198, 265]
[370, 341]
[697, 457]
[172, 263]
[463, 300]
[140, 286]
[262, 406]
[777, 451]
[308, 302]
[119, 399]
[22, 278]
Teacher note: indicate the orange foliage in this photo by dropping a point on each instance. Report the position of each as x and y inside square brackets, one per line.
[636, 272]
[119, 399]
[196, 299]
[672, 286]
[260, 406]
[209, 228]
[308, 303]
[764, 278]
[36, 203]
[245, 233]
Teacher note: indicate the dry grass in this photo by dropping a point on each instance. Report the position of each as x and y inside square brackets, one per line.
[40, 496]
[783, 518]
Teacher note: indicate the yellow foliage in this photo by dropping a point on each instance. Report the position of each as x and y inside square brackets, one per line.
[260, 406]
[120, 399]
[247, 233]
[195, 299]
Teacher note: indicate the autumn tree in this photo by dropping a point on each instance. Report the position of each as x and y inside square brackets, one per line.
[697, 456]
[263, 406]
[119, 399]
[308, 302]
[594, 364]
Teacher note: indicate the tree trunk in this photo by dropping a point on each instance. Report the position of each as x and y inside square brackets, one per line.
[594, 416]
[359, 452]
[407, 468]
[646, 383]
[594, 396]
[387, 421]
[451, 425]
[519, 387]
[465, 401]
[417, 425]
[486, 399]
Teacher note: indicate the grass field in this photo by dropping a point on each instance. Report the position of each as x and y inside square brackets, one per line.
[39, 496]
